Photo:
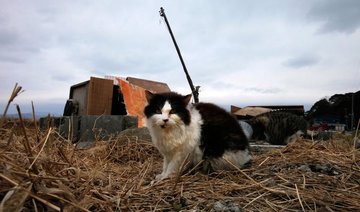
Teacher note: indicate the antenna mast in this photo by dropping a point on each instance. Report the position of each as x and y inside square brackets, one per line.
[194, 90]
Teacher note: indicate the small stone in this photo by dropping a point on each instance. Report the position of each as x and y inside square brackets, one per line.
[226, 207]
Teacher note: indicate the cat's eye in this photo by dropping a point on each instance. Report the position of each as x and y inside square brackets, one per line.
[172, 111]
[158, 111]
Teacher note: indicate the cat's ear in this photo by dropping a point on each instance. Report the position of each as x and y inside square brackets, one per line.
[187, 99]
[148, 95]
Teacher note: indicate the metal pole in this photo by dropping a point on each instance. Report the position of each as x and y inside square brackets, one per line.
[195, 91]
[352, 111]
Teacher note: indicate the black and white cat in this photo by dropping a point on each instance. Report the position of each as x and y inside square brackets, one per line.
[196, 132]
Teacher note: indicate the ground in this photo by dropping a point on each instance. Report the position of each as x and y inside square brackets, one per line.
[116, 175]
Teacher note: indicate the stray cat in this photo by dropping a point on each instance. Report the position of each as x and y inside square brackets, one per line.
[278, 127]
[194, 132]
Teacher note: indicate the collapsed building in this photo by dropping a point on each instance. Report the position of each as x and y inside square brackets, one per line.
[112, 96]
[99, 107]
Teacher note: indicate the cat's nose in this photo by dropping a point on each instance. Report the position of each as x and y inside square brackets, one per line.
[165, 120]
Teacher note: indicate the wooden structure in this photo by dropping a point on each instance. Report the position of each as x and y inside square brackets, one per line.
[94, 96]
[113, 96]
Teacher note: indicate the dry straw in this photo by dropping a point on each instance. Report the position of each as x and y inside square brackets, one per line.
[16, 91]
[116, 175]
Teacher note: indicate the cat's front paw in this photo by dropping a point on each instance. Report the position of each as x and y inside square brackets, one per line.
[160, 177]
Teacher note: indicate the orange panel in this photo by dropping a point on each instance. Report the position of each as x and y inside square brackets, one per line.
[135, 100]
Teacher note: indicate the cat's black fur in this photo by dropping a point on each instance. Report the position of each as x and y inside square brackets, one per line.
[220, 131]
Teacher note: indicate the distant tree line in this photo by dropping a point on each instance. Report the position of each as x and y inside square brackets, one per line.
[339, 107]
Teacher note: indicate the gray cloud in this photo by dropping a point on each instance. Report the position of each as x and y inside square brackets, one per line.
[337, 15]
[7, 37]
[15, 45]
[238, 48]
[11, 59]
[301, 61]
[61, 77]
[263, 90]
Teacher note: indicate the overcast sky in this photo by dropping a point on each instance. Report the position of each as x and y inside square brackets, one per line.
[240, 52]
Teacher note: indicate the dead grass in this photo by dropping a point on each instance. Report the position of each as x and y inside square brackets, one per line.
[116, 175]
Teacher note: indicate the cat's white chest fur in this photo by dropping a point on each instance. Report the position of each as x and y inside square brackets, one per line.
[175, 140]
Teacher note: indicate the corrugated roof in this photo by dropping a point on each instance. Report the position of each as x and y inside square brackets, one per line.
[295, 109]
[251, 111]
[156, 87]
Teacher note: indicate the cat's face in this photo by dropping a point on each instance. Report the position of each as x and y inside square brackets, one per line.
[167, 110]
